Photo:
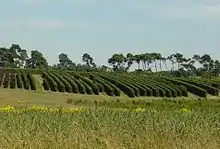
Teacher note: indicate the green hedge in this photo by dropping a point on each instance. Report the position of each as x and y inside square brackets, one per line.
[72, 83]
[6, 80]
[126, 89]
[91, 84]
[68, 87]
[19, 80]
[32, 81]
[60, 85]
[81, 86]
[211, 90]
[190, 87]
[87, 87]
[46, 85]
[12, 81]
[25, 80]
[51, 82]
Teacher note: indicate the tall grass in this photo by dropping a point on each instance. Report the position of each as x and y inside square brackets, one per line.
[105, 128]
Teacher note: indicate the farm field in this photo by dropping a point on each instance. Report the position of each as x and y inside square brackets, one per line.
[109, 84]
[94, 110]
[158, 124]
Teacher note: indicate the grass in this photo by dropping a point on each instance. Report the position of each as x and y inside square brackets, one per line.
[159, 123]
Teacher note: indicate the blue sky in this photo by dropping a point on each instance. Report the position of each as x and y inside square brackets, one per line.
[104, 27]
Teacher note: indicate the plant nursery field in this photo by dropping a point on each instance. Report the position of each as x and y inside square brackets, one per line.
[93, 110]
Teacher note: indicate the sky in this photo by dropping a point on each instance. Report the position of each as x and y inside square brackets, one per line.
[103, 27]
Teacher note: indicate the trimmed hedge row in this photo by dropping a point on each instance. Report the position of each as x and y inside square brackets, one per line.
[190, 87]
[87, 87]
[109, 88]
[139, 90]
[180, 91]
[6, 80]
[73, 84]
[60, 85]
[88, 82]
[67, 86]
[81, 86]
[211, 90]
[1, 78]
[25, 80]
[49, 81]
[12, 81]
[32, 81]
[126, 89]
[19, 80]
[144, 90]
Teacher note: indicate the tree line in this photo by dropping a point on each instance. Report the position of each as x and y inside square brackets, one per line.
[175, 64]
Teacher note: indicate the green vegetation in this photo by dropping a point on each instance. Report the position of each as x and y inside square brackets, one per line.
[150, 107]
[132, 85]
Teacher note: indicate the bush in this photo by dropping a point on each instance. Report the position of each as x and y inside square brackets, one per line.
[88, 82]
[51, 82]
[19, 80]
[67, 85]
[81, 86]
[6, 80]
[211, 90]
[126, 89]
[25, 80]
[73, 84]
[191, 88]
[46, 85]
[12, 81]
[32, 81]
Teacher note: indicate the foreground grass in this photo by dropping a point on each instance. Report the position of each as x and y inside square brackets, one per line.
[111, 128]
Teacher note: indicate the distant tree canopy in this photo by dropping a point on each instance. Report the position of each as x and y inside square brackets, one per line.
[175, 64]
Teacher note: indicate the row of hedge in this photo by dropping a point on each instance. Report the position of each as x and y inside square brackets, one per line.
[88, 84]
[109, 88]
[190, 87]
[211, 90]
[6, 80]
[125, 88]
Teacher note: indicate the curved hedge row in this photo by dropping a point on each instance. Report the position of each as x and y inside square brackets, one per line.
[71, 81]
[87, 87]
[126, 89]
[60, 85]
[107, 88]
[32, 81]
[89, 83]
[6, 80]
[1, 79]
[67, 85]
[139, 90]
[81, 86]
[25, 80]
[211, 90]
[190, 87]
[19, 80]
[12, 81]
[48, 80]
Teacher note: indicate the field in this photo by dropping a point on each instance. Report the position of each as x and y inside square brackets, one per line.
[90, 110]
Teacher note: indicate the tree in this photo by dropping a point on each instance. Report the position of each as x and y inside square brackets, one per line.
[137, 58]
[129, 59]
[88, 60]
[65, 62]
[117, 61]
[37, 60]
